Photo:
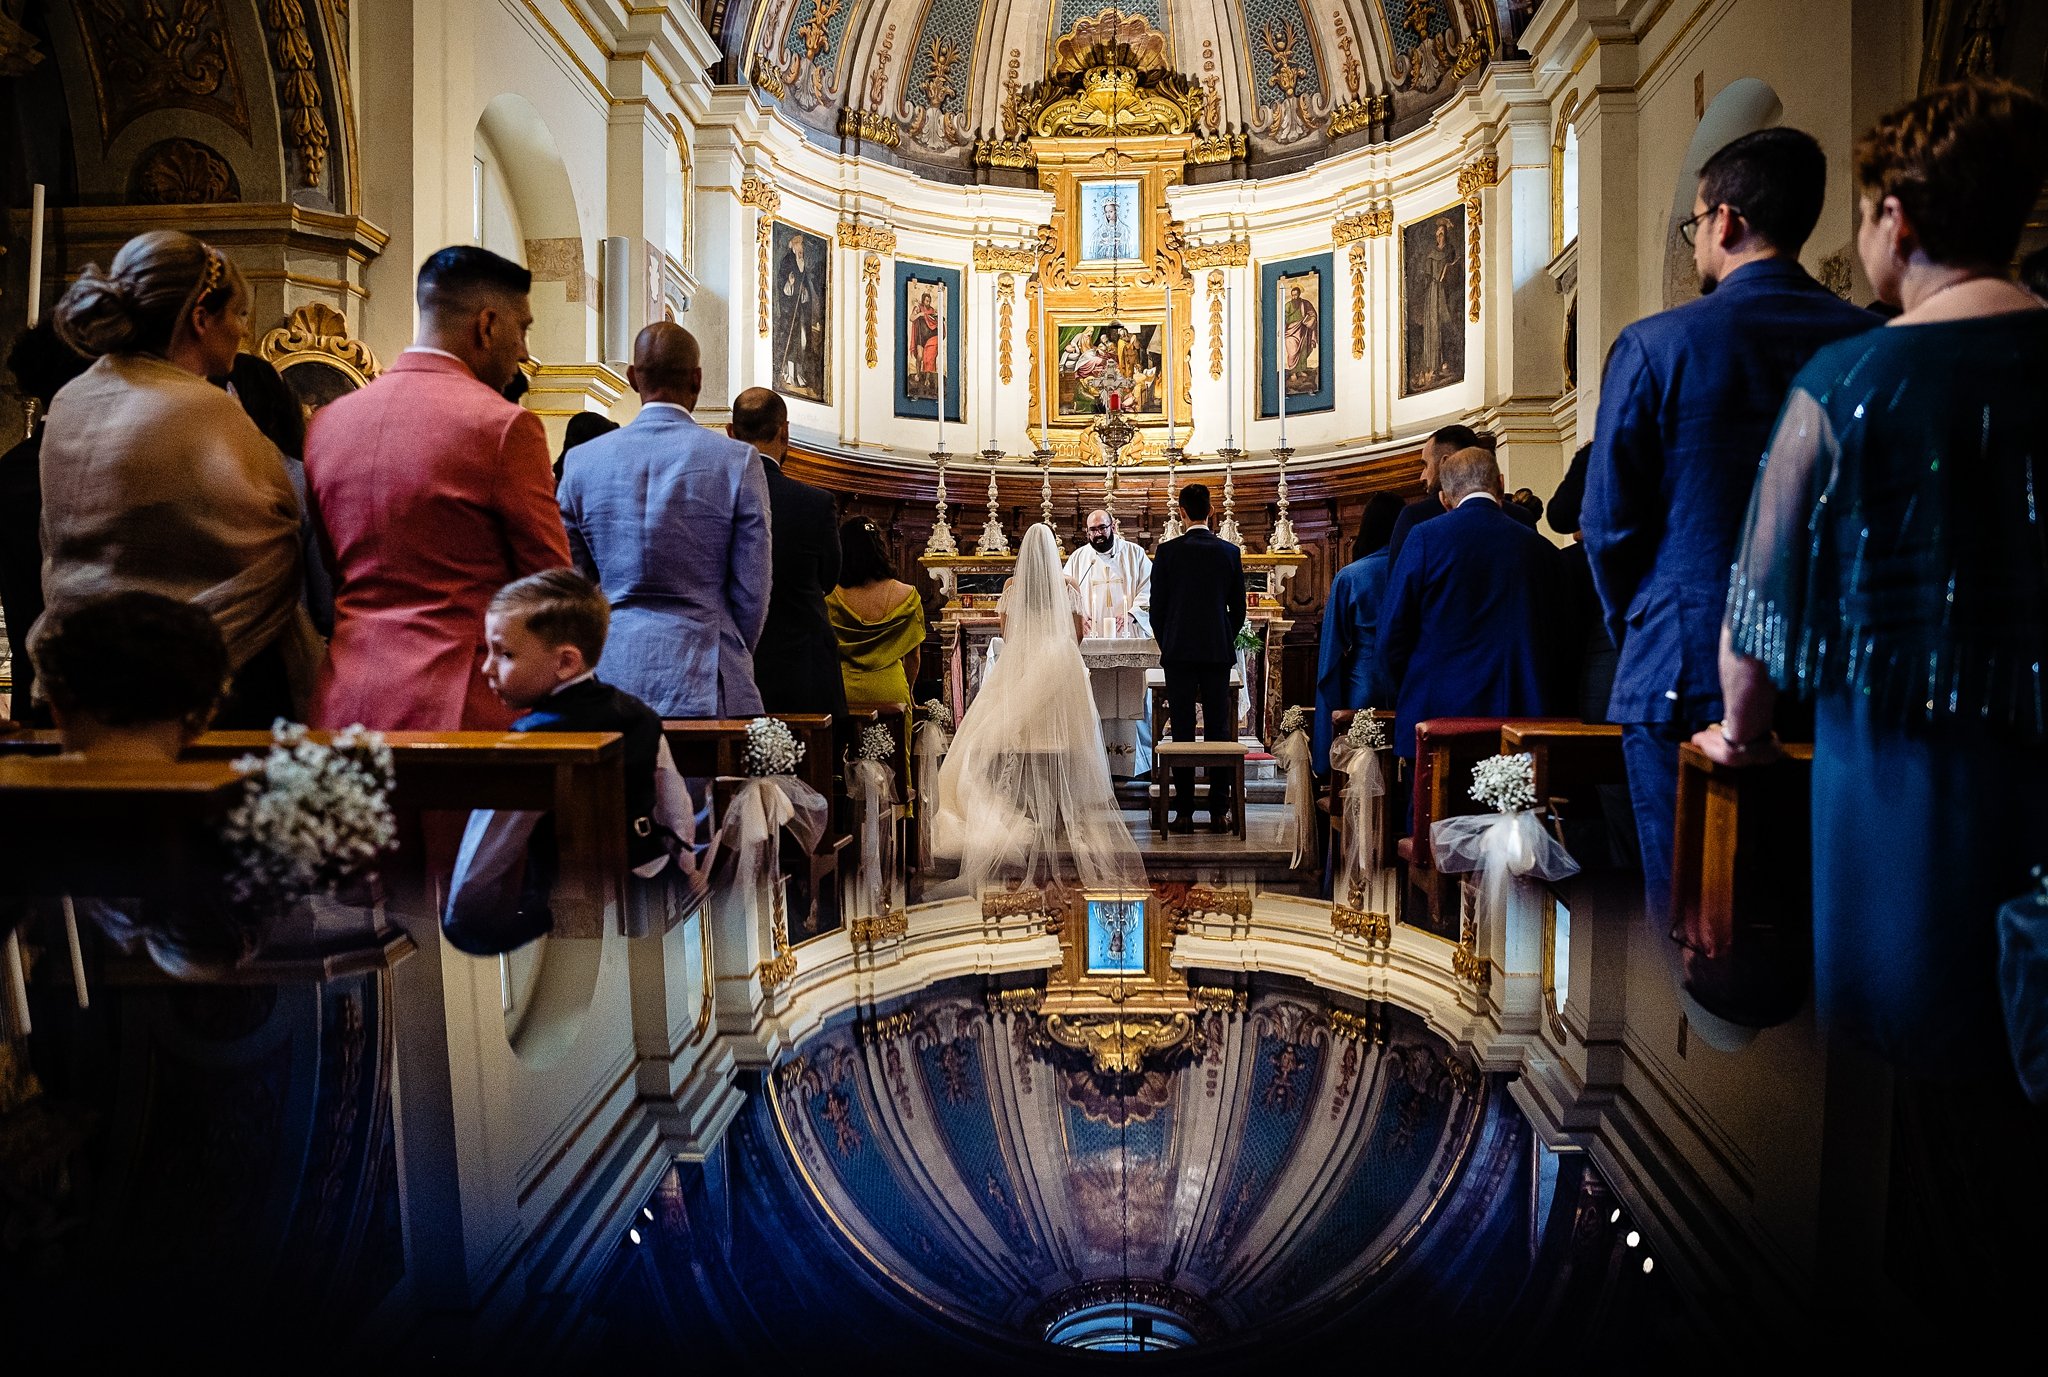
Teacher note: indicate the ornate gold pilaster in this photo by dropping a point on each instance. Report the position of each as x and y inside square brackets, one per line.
[1474, 178]
[1006, 311]
[764, 198]
[776, 971]
[1215, 324]
[870, 126]
[1373, 929]
[298, 88]
[866, 234]
[1357, 260]
[881, 927]
[1466, 962]
[1224, 253]
[871, 281]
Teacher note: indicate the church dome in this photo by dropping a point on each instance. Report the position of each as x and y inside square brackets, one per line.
[957, 89]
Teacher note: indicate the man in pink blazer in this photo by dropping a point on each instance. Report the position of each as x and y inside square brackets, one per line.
[432, 492]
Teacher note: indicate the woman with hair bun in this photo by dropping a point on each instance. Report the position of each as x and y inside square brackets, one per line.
[156, 481]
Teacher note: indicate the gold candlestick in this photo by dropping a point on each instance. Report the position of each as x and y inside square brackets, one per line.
[994, 541]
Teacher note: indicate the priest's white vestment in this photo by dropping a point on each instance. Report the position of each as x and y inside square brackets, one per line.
[1116, 588]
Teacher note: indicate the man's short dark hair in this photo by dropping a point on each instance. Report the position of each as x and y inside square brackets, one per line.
[1776, 179]
[458, 274]
[131, 660]
[1457, 437]
[758, 414]
[560, 607]
[1194, 500]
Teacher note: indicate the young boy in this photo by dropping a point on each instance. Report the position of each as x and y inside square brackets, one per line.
[131, 677]
[543, 636]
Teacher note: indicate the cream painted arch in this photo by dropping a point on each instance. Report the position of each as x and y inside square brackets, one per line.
[521, 149]
[1743, 106]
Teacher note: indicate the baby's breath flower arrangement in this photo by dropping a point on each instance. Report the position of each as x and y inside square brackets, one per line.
[1295, 719]
[1506, 783]
[1366, 733]
[771, 749]
[937, 713]
[311, 816]
[877, 742]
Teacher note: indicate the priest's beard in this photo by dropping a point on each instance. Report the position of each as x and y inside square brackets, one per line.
[1102, 543]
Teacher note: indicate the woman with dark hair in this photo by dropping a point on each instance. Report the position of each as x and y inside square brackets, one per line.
[156, 481]
[279, 414]
[877, 619]
[583, 427]
[1892, 570]
[1348, 673]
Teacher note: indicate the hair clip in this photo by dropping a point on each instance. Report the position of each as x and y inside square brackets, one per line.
[215, 269]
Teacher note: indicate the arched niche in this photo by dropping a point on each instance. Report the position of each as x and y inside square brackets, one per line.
[1743, 107]
[525, 209]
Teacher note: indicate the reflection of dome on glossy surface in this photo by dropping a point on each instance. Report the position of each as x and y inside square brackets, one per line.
[944, 1179]
[950, 85]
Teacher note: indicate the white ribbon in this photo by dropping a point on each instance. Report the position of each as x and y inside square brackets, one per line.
[1292, 754]
[874, 797]
[761, 810]
[1358, 864]
[1503, 847]
[929, 750]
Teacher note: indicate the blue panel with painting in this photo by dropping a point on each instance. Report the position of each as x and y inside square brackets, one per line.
[1294, 330]
[927, 329]
[1116, 936]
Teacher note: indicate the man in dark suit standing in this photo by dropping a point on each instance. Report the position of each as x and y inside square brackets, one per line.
[1197, 608]
[796, 665]
[1687, 402]
[1440, 446]
[1471, 609]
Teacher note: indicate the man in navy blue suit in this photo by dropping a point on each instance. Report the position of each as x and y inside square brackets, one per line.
[1438, 447]
[1687, 403]
[1472, 609]
[1197, 608]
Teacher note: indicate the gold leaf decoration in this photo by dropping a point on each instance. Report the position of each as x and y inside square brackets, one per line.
[1216, 324]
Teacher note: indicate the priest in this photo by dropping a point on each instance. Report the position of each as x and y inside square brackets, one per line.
[1115, 579]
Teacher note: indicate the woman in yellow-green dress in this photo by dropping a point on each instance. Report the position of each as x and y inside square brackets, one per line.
[877, 619]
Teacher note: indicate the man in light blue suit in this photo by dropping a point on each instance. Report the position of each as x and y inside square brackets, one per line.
[671, 520]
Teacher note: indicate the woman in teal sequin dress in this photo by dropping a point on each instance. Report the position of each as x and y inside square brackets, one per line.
[1895, 571]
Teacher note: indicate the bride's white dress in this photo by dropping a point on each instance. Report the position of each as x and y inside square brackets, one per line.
[1025, 791]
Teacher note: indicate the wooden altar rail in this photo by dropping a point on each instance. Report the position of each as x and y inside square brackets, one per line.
[1742, 882]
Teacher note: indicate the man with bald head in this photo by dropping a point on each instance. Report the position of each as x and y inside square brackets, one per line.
[1115, 579]
[1472, 605]
[672, 521]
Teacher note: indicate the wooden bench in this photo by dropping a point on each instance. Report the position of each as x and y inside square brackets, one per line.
[1213, 755]
[579, 776]
[1742, 884]
[117, 830]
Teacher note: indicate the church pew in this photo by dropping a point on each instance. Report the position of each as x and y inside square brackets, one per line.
[109, 829]
[1446, 749]
[1742, 883]
[579, 776]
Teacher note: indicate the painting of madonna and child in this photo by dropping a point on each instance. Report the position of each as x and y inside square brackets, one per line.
[1123, 359]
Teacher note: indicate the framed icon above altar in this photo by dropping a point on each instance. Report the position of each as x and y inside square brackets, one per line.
[1110, 222]
[1099, 356]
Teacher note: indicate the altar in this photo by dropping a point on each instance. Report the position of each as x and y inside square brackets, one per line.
[1117, 666]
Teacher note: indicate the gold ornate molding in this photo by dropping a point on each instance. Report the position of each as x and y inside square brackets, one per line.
[1218, 148]
[871, 281]
[866, 234]
[1370, 1026]
[777, 970]
[298, 88]
[870, 126]
[765, 79]
[1115, 99]
[1117, 1044]
[1004, 153]
[317, 333]
[1223, 253]
[759, 193]
[1358, 114]
[993, 258]
[1357, 262]
[1026, 1000]
[887, 1028]
[881, 927]
[1374, 222]
[1220, 998]
[1013, 903]
[1374, 929]
[1466, 962]
[1209, 901]
[1006, 313]
[1473, 178]
[1216, 324]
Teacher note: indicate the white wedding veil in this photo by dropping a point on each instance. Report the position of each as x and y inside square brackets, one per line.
[1026, 784]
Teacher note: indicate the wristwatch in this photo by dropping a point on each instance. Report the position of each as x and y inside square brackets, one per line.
[1740, 747]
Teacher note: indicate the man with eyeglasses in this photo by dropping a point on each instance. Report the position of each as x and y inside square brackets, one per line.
[1687, 402]
[1115, 579]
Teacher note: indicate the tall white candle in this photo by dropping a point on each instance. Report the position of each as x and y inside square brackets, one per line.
[1229, 376]
[945, 305]
[35, 255]
[1167, 369]
[1048, 378]
[1280, 362]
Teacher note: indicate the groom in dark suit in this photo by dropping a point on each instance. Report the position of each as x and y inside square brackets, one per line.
[796, 664]
[1197, 608]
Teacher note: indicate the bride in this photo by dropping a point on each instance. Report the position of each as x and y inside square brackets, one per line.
[1024, 792]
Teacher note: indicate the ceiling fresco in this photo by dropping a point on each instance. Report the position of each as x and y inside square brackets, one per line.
[932, 83]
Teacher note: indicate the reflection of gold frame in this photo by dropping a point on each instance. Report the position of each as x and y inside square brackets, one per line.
[1553, 1009]
[1401, 299]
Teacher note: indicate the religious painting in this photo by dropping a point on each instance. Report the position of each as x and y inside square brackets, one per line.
[799, 293]
[1433, 302]
[1295, 335]
[1116, 936]
[1109, 222]
[927, 340]
[1104, 359]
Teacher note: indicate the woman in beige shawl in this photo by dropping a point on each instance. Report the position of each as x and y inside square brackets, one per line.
[156, 480]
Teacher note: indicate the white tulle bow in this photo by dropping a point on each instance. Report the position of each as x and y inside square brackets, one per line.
[763, 808]
[928, 751]
[1292, 753]
[1358, 864]
[874, 799]
[1503, 847]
